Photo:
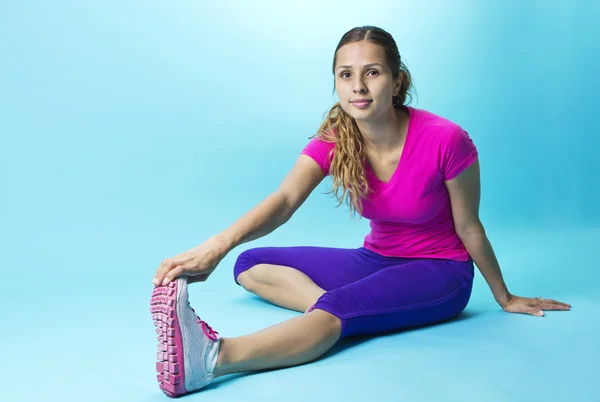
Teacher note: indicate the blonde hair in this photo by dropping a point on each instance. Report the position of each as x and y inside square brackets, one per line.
[348, 162]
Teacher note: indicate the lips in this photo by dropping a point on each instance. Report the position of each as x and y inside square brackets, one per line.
[361, 104]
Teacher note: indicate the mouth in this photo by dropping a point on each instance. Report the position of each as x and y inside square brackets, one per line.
[361, 103]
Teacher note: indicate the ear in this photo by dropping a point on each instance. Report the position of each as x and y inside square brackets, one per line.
[398, 84]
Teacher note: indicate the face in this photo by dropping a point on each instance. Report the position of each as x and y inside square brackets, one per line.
[361, 72]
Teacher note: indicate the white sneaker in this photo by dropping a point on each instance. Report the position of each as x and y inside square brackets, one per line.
[187, 346]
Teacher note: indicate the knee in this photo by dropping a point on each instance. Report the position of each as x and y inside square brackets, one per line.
[245, 280]
[329, 321]
[243, 269]
[252, 278]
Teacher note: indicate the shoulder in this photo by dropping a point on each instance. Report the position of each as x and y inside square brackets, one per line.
[442, 135]
[437, 127]
[320, 144]
[321, 150]
[447, 142]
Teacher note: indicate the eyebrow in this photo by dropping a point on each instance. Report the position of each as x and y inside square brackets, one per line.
[366, 66]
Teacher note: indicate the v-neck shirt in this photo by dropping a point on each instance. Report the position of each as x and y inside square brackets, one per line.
[410, 214]
[369, 169]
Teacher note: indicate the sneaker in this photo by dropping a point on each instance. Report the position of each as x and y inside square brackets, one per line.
[187, 346]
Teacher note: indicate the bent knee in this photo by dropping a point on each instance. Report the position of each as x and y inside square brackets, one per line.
[328, 320]
[245, 280]
[252, 278]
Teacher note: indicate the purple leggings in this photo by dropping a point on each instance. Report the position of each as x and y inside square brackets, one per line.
[371, 293]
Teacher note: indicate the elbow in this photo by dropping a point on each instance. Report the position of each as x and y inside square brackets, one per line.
[468, 230]
[288, 207]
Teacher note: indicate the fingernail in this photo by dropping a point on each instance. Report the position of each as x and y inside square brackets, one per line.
[165, 281]
[541, 313]
[155, 280]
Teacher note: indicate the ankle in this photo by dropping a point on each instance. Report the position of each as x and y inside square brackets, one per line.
[222, 367]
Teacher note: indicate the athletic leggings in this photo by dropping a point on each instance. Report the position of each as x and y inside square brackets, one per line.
[371, 293]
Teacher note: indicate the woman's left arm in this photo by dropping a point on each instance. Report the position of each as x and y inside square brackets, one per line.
[464, 191]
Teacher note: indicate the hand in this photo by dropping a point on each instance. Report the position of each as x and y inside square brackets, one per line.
[197, 263]
[533, 305]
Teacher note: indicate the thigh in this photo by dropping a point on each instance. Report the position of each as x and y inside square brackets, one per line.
[420, 292]
[328, 267]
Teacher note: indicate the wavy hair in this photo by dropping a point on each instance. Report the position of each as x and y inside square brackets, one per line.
[348, 163]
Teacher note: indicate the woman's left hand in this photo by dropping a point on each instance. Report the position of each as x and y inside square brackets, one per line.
[533, 305]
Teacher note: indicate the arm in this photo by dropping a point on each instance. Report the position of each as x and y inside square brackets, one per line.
[277, 208]
[464, 192]
[199, 262]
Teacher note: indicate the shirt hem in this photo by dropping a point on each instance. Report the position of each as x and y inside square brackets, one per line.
[462, 257]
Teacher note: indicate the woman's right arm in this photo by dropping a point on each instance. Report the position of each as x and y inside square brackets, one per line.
[277, 208]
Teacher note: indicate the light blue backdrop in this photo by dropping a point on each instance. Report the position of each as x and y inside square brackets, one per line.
[133, 130]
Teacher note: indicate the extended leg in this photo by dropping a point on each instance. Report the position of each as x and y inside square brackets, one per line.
[191, 354]
[292, 342]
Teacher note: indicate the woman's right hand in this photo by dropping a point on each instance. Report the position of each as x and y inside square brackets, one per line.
[197, 263]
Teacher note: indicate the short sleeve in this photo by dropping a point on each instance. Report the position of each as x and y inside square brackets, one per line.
[458, 152]
[319, 151]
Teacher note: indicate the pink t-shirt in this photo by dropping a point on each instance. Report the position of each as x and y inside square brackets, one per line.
[410, 215]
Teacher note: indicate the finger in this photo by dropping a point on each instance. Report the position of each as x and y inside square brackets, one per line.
[560, 303]
[157, 274]
[554, 302]
[173, 274]
[537, 312]
[166, 265]
[530, 310]
[552, 306]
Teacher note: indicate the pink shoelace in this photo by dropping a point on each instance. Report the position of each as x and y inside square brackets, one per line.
[208, 331]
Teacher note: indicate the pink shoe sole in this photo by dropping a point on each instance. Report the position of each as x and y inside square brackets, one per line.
[170, 347]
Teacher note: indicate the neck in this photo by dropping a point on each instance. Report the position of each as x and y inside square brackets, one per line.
[385, 133]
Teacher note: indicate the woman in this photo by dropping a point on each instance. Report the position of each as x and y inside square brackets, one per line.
[414, 174]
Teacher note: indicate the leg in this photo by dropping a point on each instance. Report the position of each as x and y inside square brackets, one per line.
[415, 293]
[296, 277]
[281, 345]
[191, 354]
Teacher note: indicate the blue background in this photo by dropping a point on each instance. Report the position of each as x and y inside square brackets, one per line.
[132, 131]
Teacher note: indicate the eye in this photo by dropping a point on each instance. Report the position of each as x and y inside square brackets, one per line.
[343, 75]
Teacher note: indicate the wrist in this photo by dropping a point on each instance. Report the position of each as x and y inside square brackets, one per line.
[503, 298]
[225, 243]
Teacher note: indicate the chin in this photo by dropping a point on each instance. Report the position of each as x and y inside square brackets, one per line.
[358, 113]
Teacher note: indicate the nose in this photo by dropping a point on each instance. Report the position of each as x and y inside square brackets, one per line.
[359, 87]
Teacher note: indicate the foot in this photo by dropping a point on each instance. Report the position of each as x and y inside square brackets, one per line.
[187, 346]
